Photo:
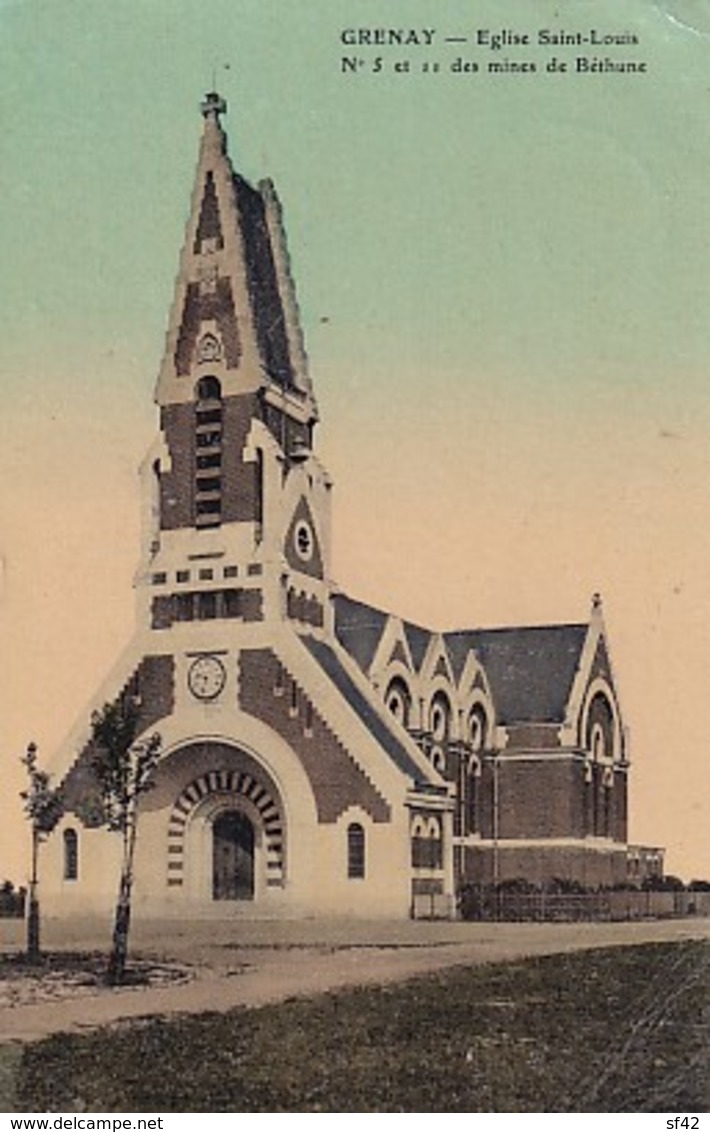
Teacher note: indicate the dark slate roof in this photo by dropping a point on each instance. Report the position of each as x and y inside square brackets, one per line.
[530, 670]
[458, 647]
[262, 283]
[373, 721]
[418, 641]
[359, 628]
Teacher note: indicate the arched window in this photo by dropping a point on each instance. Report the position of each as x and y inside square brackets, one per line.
[209, 389]
[208, 453]
[155, 507]
[426, 842]
[478, 728]
[474, 777]
[399, 700]
[435, 845]
[600, 732]
[356, 851]
[438, 759]
[259, 494]
[71, 855]
[440, 718]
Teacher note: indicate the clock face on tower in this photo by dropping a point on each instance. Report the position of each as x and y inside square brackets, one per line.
[206, 677]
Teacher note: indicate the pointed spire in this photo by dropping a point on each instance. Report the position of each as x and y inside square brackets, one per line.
[235, 308]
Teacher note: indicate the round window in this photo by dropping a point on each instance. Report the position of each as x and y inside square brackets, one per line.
[304, 541]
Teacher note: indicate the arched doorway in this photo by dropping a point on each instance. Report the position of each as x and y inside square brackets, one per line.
[232, 856]
[193, 853]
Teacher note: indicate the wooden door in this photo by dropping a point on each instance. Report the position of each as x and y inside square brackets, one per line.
[233, 857]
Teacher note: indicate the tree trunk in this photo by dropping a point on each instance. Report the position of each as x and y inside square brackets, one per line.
[119, 950]
[33, 944]
[33, 941]
[116, 972]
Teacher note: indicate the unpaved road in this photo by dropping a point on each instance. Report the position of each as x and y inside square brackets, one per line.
[245, 963]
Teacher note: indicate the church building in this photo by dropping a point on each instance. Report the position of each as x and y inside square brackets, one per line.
[319, 756]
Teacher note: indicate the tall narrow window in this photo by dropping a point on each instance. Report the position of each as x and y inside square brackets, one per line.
[232, 603]
[607, 803]
[155, 508]
[71, 855]
[259, 495]
[208, 453]
[207, 605]
[596, 801]
[474, 772]
[356, 851]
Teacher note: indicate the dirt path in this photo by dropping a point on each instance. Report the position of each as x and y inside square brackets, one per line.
[245, 964]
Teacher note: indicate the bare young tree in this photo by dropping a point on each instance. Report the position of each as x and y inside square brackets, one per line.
[123, 766]
[40, 805]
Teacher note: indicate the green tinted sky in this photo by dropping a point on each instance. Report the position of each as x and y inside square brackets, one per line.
[542, 231]
[504, 282]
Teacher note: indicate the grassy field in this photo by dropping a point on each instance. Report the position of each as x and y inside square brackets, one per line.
[614, 1030]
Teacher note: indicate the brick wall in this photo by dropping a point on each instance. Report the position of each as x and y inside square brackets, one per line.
[156, 688]
[252, 605]
[202, 305]
[303, 607]
[540, 799]
[549, 798]
[268, 692]
[177, 486]
[539, 865]
[535, 737]
[239, 479]
[154, 682]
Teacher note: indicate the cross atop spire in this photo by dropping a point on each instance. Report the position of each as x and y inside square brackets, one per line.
[213, 105]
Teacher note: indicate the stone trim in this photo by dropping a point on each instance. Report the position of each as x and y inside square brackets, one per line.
[226, 784]
[268, 691]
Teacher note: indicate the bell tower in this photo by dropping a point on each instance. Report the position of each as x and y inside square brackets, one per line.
[232, 484]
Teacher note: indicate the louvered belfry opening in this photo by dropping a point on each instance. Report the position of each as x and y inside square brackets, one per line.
[208, 453]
